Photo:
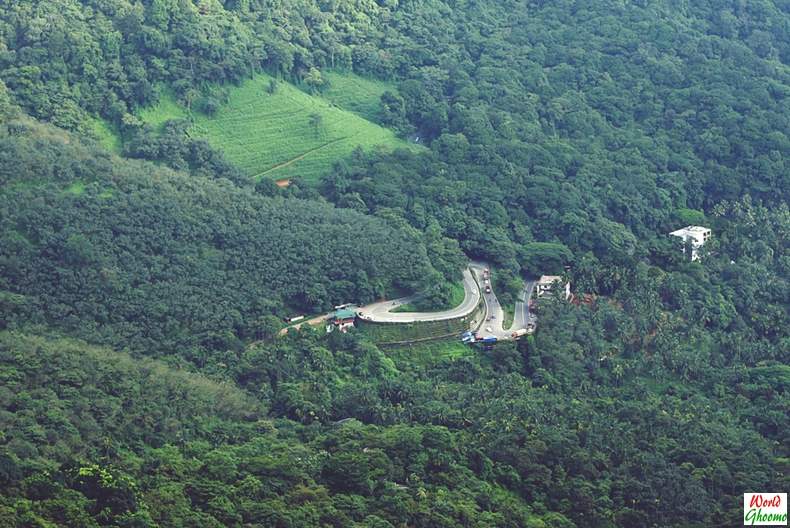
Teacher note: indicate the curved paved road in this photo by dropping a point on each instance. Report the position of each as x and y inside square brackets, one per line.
[523, 316]
[380, 312]
[493, 319]
[492, 324]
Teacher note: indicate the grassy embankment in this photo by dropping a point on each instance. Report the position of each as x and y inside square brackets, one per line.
[401, 332]
[429, 353]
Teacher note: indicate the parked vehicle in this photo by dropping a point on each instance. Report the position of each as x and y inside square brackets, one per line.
[488, 329]
[488, 289]
[489, 340]
[294, 318]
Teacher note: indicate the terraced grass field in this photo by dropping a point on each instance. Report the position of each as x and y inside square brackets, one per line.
[289, 132]
[356, 94]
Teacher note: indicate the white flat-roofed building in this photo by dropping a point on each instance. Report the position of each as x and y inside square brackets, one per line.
[696, 236]
[546, 284]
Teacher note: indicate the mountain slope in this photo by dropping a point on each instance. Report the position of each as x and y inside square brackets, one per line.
[127, 253]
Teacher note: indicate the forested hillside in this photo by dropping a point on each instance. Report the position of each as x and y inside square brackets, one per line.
[151, 260]
[586, 125]
[694, 91]
[142, 380]
[594, 126]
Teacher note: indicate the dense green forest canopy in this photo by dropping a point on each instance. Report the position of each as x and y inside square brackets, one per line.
[583, 124]
[141, 382]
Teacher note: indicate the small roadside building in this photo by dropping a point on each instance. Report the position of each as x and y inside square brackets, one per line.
[546, 283]
[341, 319]
[693, 237]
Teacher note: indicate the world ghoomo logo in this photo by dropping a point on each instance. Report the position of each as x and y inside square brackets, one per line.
[765, 509]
